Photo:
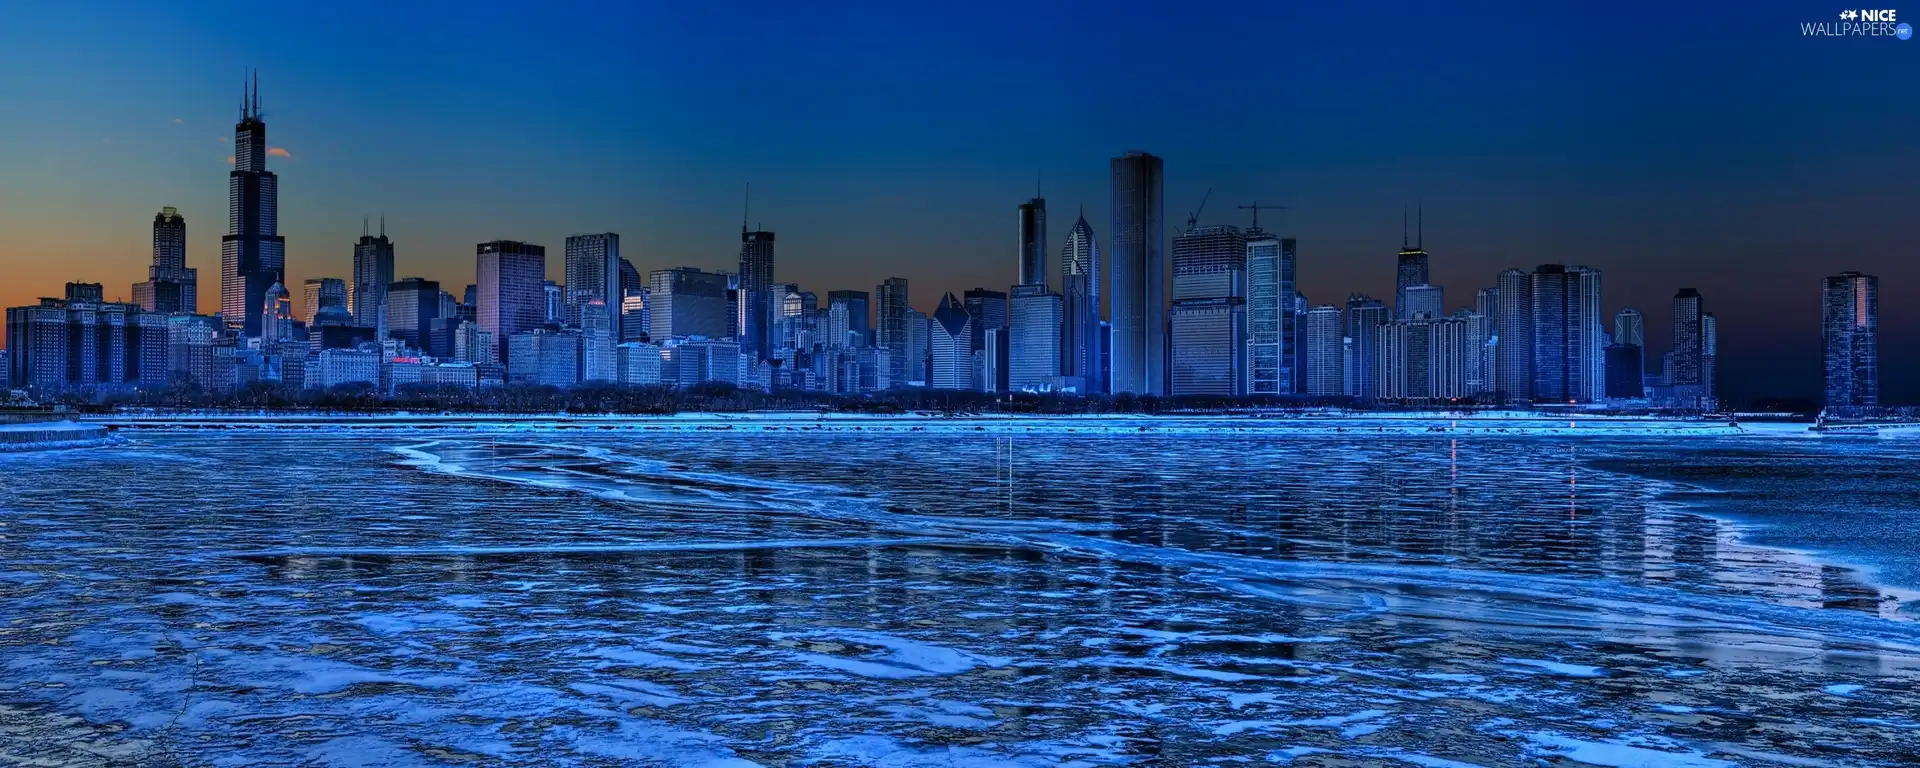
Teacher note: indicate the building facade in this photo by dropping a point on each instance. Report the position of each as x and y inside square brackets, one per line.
[592, 271]
[951, 345]
[1137, 242]
[1080, 290]
[253, 255]
[1850, 336]
[510, 292]
[1208, 322]
[1325, 370]
[171, 285]
[1033, 339]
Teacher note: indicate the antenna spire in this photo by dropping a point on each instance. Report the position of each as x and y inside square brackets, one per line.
[1036, 185]
[256, 94]
[1403, 226]
[383, 225]
[1420, 233]
[746, 208]
[363, 227]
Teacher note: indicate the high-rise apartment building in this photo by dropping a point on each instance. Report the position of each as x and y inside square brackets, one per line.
[1272, 322]
[1513, 327]
[1324, 369]
[1850, 334]
[1365, 315]
[1422, 298]
[1569, 362]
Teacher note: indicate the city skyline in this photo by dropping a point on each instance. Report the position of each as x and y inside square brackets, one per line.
[1826, 217]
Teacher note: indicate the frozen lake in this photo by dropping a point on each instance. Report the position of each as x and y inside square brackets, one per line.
[677, 598]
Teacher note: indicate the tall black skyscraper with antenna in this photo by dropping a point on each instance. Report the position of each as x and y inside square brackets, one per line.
[1412, 270]
[253, 256]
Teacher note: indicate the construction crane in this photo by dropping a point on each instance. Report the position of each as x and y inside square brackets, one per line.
[1193, 219]
[1256, 206]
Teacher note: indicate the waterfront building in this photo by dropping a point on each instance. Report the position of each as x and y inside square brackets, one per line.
[639, 363]
[372, 273]
[1513, 320]
[1324, 370]
[412, 305]
[1365, 315]
[543, 356]
[1275, 356]
[1208, 322]
[756, 299]
[1850, 336]
[1137, 242]
[597, 340]
[890, 326]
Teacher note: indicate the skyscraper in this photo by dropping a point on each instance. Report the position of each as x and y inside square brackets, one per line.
[1139, 300]
[1590, 348]
[1271, 332]
[890, 325]
[253, 255]
[918, 353]
[276, 316]
[171, 285]
[1080, 289]
[1561, 370]
[372, 273]
[1629, 327]
[592, 272]
[685, 302]
[412, 306]
[1709, 363]
[1033, 338]
[1365, 315]
[1850, 330]
[755, 293]
[849, 315]
[1324, 366]
[555, 302]
[1032, 235]
[1423, 297]
[989, 312]
[1513, 330]
[1411, 271]
[1689, 344]
[318, 293]
[1486, 304]
[597, 358]
[1209, 318]
[510, 288]
[952, 346]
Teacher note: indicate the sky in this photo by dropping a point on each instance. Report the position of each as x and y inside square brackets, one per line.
[1712, 147]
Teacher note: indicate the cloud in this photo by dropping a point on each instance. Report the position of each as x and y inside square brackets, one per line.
[176, 121]
[229, 159]
[224, 139]
[280, 152]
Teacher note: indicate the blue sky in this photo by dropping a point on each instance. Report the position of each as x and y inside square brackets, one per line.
[1711, 147]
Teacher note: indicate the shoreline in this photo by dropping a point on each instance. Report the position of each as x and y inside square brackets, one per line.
[1511, 424]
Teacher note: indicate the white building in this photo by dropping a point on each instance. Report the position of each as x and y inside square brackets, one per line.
[639, 363]
[597, 339]
[952, 347]
[334, 367]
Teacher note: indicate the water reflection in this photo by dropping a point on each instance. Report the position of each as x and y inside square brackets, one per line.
[848, 599]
